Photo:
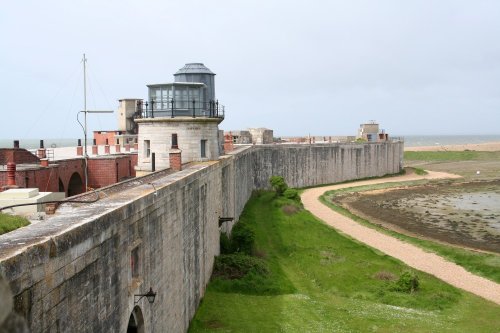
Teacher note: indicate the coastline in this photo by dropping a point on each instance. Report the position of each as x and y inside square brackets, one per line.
[486, 146]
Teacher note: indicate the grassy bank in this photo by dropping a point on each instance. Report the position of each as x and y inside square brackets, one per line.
[467, 155]
[326, 282]
[484, 264]
[10, 222]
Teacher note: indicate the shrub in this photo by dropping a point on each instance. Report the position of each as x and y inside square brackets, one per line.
[384, 276]
[242, 238]
[408, 282]
[225, 244]
[292, 194]
[420, 171]
[237, 265]
[279, 185]
[290, 209]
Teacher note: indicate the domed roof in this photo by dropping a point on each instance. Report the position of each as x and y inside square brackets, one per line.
[194, 68]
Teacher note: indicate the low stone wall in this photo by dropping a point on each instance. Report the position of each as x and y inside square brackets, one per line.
[79, 270]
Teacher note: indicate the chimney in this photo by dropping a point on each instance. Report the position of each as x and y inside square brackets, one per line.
[41, 152]
[16, 144]
[117, 146]
[228, 143]
[175, 157]
[11, 173]
[94, 147]
[175, 160]
[79, 148]
[106, 148]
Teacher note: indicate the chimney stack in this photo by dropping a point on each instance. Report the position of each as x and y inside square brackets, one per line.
[11, 173]
[79, 148]
[94, 147]
[106, 148]
[41, 152]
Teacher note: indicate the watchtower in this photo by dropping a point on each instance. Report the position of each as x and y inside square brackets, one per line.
[182, 117]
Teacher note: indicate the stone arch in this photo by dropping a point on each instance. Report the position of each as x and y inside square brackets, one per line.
[136, 321]
[75, 185]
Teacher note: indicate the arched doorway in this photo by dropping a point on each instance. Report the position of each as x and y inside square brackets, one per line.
[75, 185]
[136, 321]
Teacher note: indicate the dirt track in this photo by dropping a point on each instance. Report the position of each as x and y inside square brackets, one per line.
[411, 255]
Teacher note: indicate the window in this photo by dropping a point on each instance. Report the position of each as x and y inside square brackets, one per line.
[203, 148]
[174, 141]
[134, 262]
[147, 148]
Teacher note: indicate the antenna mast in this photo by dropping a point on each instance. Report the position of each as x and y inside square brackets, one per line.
[85, 121]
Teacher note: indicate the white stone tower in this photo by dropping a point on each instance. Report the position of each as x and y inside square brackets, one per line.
[180, 117]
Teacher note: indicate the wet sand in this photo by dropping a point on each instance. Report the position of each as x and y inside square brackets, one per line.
[488, 146]
[463, 214]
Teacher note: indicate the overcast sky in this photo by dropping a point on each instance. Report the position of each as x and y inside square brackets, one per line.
[298, 67]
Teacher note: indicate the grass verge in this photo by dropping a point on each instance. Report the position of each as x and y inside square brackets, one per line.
[330, 283]
[483, 264]
[11, 222]
[467, 155]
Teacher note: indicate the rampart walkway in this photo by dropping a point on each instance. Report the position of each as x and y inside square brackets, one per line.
[409, 254]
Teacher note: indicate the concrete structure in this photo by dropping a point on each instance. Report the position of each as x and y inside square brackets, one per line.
[185, 108]
[240, 137]
[252, 136]
[261, 135]
[79, 270]
[127, 109]
[371, 132]
[198, 140]
[27, 195]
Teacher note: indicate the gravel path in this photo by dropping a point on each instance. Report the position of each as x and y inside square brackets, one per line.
[409, 254]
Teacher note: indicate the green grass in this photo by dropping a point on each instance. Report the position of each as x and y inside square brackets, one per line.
[468, 155]
[11, 222]
[329, 283]
[484, 264]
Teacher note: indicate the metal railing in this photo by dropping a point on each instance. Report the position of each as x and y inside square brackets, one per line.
[179, 108]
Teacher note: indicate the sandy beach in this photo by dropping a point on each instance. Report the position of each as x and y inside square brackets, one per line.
[487, 146]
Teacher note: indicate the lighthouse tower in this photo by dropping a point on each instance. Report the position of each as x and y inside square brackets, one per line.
[179, 119]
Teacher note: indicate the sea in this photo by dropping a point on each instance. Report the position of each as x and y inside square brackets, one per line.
[35, 143]
[440, 140]
[410, 141]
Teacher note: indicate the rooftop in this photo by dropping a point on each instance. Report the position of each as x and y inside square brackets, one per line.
[194, 68]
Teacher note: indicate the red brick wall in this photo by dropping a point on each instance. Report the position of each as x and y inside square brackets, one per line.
[102, 172]
[101, 137]
[107, 171]
[18, 156]
[46, 179]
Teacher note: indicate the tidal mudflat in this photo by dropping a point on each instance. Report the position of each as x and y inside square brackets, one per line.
[464, 214]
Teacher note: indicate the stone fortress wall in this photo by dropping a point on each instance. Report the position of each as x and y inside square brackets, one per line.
[79, 270]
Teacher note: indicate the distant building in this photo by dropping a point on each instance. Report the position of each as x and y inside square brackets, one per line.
[252, 136]
[261, 135]
[371, 132]
[240, 137]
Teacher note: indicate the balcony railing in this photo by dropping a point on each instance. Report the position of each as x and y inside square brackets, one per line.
[179, 108]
